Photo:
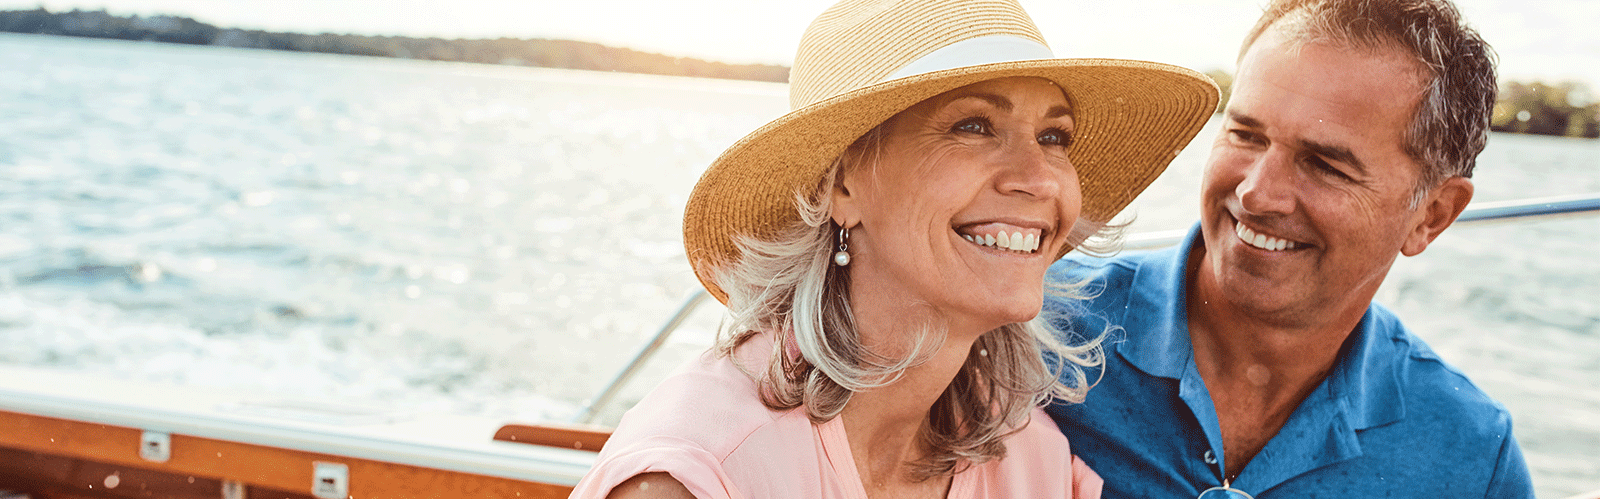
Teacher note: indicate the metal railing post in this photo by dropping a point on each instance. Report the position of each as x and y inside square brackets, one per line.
[593, 410]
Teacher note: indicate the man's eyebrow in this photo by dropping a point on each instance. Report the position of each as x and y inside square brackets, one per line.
[1243, 119]
[1338, 153]
[1334, 152]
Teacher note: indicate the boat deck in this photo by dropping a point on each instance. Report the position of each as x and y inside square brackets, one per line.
[69, 435]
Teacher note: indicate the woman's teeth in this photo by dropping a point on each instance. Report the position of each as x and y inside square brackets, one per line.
[1014, 241]
[1261, 241]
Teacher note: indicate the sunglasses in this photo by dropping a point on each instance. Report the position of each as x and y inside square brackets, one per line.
[1224, 492]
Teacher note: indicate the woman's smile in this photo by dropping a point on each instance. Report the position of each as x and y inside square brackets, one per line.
[1004, 236]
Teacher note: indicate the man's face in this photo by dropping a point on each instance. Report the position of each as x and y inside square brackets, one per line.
[1306, 198]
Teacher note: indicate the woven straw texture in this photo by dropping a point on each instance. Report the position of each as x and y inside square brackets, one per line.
[831, 60]
[1132, 117]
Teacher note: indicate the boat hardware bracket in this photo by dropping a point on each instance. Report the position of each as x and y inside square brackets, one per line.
[233, 489]
[330, 480]
[155, 446]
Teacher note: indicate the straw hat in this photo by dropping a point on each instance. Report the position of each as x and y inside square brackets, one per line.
[863, 61]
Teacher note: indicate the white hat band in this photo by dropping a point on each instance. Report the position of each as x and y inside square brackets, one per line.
[973, 52]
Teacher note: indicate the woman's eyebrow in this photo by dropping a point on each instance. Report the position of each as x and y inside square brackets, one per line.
[999, 102]
[1004, 104]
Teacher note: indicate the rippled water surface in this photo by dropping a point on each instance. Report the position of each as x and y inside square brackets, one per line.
[487, 240]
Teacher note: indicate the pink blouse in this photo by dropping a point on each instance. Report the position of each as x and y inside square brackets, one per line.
[706, 426]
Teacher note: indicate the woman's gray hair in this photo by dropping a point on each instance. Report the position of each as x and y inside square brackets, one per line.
[789, 285]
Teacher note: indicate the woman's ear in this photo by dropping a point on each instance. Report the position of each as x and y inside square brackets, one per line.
[846, 207]
[855, 167]
[1437, 211]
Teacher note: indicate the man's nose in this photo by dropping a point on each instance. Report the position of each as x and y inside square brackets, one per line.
[1268, 186]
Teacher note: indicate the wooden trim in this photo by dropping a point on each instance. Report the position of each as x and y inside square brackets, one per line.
[589, 438]
[254, 465]
[47, 476]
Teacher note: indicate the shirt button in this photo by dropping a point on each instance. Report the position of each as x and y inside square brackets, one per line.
[1209, 457]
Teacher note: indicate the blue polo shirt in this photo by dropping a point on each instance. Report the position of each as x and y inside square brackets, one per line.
[1390, 420]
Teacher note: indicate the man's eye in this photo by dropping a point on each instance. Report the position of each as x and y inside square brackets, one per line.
[1244, 136]
[1325, 167]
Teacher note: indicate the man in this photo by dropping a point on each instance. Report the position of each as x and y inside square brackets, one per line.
[1251, 359]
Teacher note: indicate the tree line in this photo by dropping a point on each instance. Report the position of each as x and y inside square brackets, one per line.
[565, 54]
[1564, 109]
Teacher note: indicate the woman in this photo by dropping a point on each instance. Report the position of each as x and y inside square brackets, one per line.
[882, 250]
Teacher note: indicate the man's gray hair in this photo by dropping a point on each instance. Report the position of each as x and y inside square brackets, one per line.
[1451, 124]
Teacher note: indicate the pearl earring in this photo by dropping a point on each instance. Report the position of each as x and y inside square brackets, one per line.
[842, 257]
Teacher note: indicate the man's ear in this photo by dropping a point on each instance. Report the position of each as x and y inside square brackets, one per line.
[1439, 209]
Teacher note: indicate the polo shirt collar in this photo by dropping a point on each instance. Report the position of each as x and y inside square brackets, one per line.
[1157, 337]
[1367, 379]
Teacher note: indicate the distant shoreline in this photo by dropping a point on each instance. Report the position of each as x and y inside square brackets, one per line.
[1523, 107]
[561, 54]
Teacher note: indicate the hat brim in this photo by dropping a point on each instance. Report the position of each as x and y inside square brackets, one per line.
[1132, 119]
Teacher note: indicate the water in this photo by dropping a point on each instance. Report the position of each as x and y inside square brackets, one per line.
[499, 241]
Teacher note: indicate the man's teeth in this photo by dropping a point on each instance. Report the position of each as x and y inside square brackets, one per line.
[1262, 241]
[1014, 241]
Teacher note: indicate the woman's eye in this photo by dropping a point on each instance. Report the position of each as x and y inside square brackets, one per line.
[972, 125]
[1056, 137]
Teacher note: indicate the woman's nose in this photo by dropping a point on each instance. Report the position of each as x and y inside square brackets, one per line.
[1029, 171]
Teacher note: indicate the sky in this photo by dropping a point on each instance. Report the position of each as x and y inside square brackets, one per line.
[1549, 40]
